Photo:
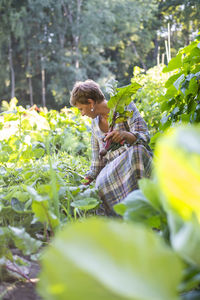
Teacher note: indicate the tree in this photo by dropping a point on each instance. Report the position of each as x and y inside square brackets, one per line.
[46, 45]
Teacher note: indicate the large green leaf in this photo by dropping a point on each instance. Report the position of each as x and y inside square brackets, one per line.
[185, 238]
[177, 166]
[24, 241]
[106, 259]
[123, 96]
[175, 63]
[42, 209]
[151, 191]
[44, 214]
[171, 79]
[135, 207]
[85, 204]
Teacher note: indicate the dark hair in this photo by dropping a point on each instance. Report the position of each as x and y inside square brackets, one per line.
[84, 90]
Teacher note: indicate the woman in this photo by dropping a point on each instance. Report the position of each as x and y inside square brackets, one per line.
[118, 172]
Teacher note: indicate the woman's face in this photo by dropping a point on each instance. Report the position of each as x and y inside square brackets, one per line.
[86, 109]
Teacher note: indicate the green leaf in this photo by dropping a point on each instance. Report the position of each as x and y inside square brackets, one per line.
[191, 278]
[171, 92]
[177, 168]
[43, 213]
[178, 81]
[85, 204]
[33, 193]
[165, 106]
[175, 63]
[123, 96]
[111, 87]
[105, 259]
[137, 209]
[193, 87]
[191, 106]
[150, 190]
[120, 208]
[189, 48]
[4, 157]
[24, 241]
[185, 118]
[42, 209]
[17, 205]
[38, 152]
[171, 79]
[175, 110]
[185, 238]
[124, 116]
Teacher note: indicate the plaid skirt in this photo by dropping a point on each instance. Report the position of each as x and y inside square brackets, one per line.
[120, 176]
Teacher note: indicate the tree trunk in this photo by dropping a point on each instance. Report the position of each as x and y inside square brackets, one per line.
[158, 57]
[12, 71]
[77, 37]
[30, 90]
[30, 80]
[137, 55]
[156, 49]
[43, 83]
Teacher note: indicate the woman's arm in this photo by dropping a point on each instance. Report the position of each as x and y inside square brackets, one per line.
[137, 129]
[121, 136]
[97, 164]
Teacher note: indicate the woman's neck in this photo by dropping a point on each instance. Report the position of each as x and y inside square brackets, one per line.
[103, 110]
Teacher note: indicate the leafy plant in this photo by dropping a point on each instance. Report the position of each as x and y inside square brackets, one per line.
[169, 202]
[148, 98]
[38, 172]
[120, 98]
[181, 102]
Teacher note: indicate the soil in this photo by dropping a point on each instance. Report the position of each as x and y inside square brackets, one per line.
[19, 291]
[14, 287]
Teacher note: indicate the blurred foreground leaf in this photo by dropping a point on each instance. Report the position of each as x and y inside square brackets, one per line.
[178, 170]
[105, 259]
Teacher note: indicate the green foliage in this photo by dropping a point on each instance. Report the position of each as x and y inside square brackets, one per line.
[136, 207]
[38, 174]
[169, 202]
[19, 238]
[120, 98]
[147, 98]
[108, 260]
[181, 102]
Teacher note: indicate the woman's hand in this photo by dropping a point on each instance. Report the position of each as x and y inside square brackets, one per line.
[120, 136]
[87, 180]
[116, 136]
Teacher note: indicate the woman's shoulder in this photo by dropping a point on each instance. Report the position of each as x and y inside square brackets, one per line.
[132, 107]
[95, 123]
[96, 129]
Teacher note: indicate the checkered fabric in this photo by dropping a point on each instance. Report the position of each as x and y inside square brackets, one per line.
[117, 174]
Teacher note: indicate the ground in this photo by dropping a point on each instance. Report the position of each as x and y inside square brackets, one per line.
[12, 287]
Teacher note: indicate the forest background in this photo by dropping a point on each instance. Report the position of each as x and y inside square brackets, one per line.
[46, 45]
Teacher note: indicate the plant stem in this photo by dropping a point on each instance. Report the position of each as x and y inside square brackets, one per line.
[18, 271]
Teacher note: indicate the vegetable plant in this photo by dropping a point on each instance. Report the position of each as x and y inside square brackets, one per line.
[120, 98]
[181, 102]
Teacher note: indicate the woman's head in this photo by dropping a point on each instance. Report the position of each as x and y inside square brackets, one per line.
[84, 90]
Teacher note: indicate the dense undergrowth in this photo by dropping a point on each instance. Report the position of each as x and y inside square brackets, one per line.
[43, 158]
